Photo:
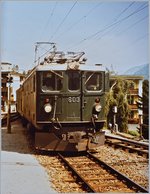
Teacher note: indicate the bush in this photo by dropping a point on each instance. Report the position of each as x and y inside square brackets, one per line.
[134, 133]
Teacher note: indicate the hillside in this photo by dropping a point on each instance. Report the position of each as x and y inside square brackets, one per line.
[139, 70]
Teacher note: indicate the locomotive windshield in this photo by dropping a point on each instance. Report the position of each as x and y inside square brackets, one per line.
[93, 81]
[73, 80]
[51, 81]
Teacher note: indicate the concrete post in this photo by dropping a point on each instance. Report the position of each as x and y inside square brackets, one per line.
[9, 110]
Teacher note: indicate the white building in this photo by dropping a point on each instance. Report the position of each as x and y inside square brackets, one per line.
[7, 69]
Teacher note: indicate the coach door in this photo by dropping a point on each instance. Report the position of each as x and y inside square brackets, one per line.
[73, 107]
[84, 88]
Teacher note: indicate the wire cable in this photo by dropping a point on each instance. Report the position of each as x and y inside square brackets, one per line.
[58, 27]
[49, 19]
[133, 43]
[111, 25]
[137, 10]
[131, 26]
[140, 38]
[80, 19]
[124, 11]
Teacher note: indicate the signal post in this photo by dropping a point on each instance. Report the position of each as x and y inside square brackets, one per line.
[9, 81]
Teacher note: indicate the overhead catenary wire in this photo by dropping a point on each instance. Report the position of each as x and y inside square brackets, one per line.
[139, 38]
[63, 20]
[133, 43]
[49, 19]
[115, 23]
[80, 19]
[118, 22]
[111, 25]
[57, 28]
[124, 10]
[136, 11]
[131, 26]
[114, 19]
[121, 13]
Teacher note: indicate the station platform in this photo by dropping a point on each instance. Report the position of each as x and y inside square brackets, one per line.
[20, 171]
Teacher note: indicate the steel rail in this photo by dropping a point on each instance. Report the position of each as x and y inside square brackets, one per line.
[79, 178]
[133, 142]
[130, 183]
[137, 146]
[139, 151]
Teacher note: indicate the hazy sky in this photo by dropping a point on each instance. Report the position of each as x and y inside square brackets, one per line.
[109, 32]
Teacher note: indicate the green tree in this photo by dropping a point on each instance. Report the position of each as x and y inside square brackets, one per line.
[118, 97]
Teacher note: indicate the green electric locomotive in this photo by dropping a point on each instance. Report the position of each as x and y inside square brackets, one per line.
[63, 100]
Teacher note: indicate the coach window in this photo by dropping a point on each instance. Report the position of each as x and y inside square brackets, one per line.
[51, 81]
[73, 80]
[93, 81]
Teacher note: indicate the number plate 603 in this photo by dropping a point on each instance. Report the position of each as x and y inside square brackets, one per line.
[73, 99]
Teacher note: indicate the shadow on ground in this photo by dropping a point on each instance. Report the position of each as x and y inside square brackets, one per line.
[18, 140]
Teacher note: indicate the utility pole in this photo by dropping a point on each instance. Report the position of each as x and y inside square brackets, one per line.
[9, 81]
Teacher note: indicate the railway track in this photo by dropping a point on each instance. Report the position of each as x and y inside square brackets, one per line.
[129, 145]
[13, 117]
[94, 175]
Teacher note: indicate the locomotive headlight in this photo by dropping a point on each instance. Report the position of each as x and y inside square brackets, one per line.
[47, 108]
[98, 107]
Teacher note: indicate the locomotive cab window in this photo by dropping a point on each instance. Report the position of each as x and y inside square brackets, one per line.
[51, 81]
[93, 81]
[73, 80]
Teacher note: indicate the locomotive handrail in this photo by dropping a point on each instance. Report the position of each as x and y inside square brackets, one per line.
[53, 123]
[54, 116]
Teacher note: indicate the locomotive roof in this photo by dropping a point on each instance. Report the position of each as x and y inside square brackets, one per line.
[69, 66]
